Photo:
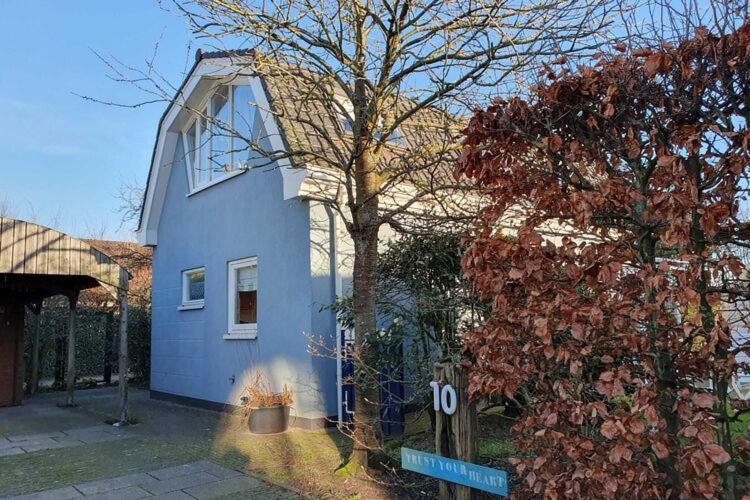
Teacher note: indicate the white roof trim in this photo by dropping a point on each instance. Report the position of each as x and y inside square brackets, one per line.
[166, 141]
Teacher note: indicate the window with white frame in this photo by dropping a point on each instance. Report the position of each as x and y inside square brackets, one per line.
[193, 288]
[218, 141]
[242, 281]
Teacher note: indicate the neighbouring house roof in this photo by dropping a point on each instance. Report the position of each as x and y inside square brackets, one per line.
[299, 113]
[136, 260]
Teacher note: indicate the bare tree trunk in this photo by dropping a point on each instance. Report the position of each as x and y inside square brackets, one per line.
[366, 419]
[365, 236]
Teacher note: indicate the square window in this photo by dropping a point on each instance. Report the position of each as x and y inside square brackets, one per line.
[193, 288]
[242, 301]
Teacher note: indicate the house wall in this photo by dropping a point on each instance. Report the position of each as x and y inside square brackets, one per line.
[324, 277]
[241, 217]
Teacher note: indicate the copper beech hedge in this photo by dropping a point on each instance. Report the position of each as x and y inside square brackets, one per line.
[617, 333]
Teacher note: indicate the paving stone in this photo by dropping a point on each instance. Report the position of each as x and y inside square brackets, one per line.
[58, 494]
[10, 451]
[174, 495]
[83, 430]
[97, 437]
[216, 470]
[223, 487]
[131, 492]
[63, 442]
[104, 485]
[33, 442]
[177, 471]
[97, 434]
[180, 483]
[52, 410]
[118, 431]
[36, 437]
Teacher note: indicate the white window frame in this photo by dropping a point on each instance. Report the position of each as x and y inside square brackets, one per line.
[345, 112]
[240, 331]
[206, 105]
[188, 304]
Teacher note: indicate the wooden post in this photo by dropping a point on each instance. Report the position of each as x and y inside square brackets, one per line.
[19, 313]
[70, 376]
[109, 347]
[36, 324]
[123, 361]
[60, 350]
[455, 435]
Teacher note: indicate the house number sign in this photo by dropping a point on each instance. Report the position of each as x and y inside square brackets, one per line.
[444, 398]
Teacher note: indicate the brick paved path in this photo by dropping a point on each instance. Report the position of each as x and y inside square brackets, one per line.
[29, 443]
[174, 452]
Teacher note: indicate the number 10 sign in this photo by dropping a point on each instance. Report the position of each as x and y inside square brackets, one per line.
[444, 398]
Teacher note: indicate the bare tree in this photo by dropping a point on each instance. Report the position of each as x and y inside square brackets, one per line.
[378, 87]
[130, 197]
[95, 230]
[6, 208]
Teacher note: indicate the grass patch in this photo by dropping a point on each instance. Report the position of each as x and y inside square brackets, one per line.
[495, 448]
[742, 426]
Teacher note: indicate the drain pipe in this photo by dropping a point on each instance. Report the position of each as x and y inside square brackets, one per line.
[338, 291]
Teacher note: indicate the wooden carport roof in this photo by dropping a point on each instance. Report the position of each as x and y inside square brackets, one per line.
[38, 262]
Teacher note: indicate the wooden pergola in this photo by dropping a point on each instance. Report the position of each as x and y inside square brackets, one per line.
[37, 262]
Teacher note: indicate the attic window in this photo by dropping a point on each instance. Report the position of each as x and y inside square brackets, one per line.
[346, 113]
[218, 141]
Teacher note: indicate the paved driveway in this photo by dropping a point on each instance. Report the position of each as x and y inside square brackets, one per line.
[55, 453]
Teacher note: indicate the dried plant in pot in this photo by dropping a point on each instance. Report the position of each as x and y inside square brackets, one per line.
[267, 411]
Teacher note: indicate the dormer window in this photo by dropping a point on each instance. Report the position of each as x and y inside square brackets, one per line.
[217, 141]
[346, 113]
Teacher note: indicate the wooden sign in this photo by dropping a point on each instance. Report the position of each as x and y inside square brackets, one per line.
[465, 473]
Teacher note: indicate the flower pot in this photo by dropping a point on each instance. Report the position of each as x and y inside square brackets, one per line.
[268, 420]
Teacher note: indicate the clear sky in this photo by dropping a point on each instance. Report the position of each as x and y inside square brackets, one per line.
[63, 159]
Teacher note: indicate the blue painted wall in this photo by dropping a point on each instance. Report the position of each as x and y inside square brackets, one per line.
[241, 217]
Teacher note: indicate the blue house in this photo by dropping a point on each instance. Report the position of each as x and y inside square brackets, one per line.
[244, 260]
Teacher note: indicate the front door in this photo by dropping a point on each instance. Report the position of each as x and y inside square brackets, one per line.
[11, 345]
